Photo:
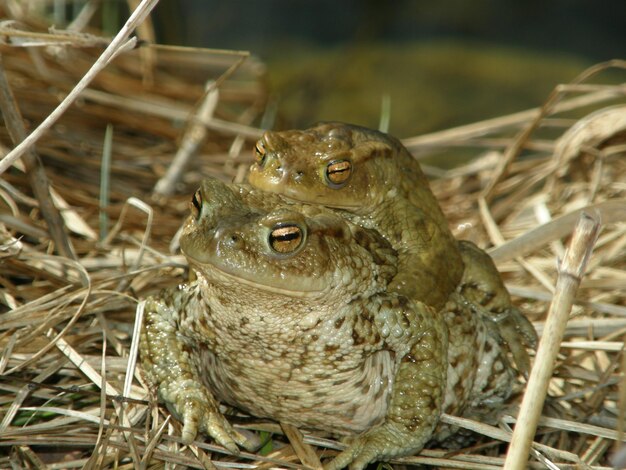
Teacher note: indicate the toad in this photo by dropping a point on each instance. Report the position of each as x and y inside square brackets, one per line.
[290, 317]
[374, 180]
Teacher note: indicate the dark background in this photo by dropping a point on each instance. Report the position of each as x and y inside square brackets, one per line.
[440, 64]
[595, 30]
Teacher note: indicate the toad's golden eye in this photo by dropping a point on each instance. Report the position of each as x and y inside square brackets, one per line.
[195, 205]
[259, 152]
[338, 172]
[286, 238]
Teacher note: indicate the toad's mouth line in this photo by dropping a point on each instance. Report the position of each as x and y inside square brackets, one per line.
[218, 274]
[329, 203]
[294, 196]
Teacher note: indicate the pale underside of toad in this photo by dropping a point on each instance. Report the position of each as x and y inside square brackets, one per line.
[289, 318]
[378, 184]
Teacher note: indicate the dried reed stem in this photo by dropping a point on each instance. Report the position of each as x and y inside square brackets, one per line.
[192, 140]
[571, 271]
[476, 129]
[195, 133]
[304, 451]
[34, 169]
[117, 46]
[610, 212]
[517, 144]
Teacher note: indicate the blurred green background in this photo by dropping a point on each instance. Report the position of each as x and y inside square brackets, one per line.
[440, 64]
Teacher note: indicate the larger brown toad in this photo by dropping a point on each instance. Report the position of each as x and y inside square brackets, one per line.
[289, 318]
[378, 184]
[479, 376]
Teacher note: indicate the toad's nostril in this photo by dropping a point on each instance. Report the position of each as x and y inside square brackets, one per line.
[233, 241]
[226, 238]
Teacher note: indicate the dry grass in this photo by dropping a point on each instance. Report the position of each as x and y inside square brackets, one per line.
[66, 323]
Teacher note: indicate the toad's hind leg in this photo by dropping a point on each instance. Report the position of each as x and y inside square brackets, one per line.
[418, 390]
[482, 285]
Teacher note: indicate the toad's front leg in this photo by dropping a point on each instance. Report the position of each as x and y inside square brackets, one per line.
[166, 361]
[419, 337]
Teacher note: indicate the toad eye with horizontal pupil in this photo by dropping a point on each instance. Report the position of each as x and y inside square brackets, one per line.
[338, 172]
[286, 238]
[195, 205]
[259, 152]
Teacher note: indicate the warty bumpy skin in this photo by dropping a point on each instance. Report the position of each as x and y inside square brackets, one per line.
[375, 181]
[289, 318]
[310, 315]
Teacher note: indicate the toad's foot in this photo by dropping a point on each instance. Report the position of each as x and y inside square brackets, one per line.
[380, 443]
[519, 333]
[196, 408]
